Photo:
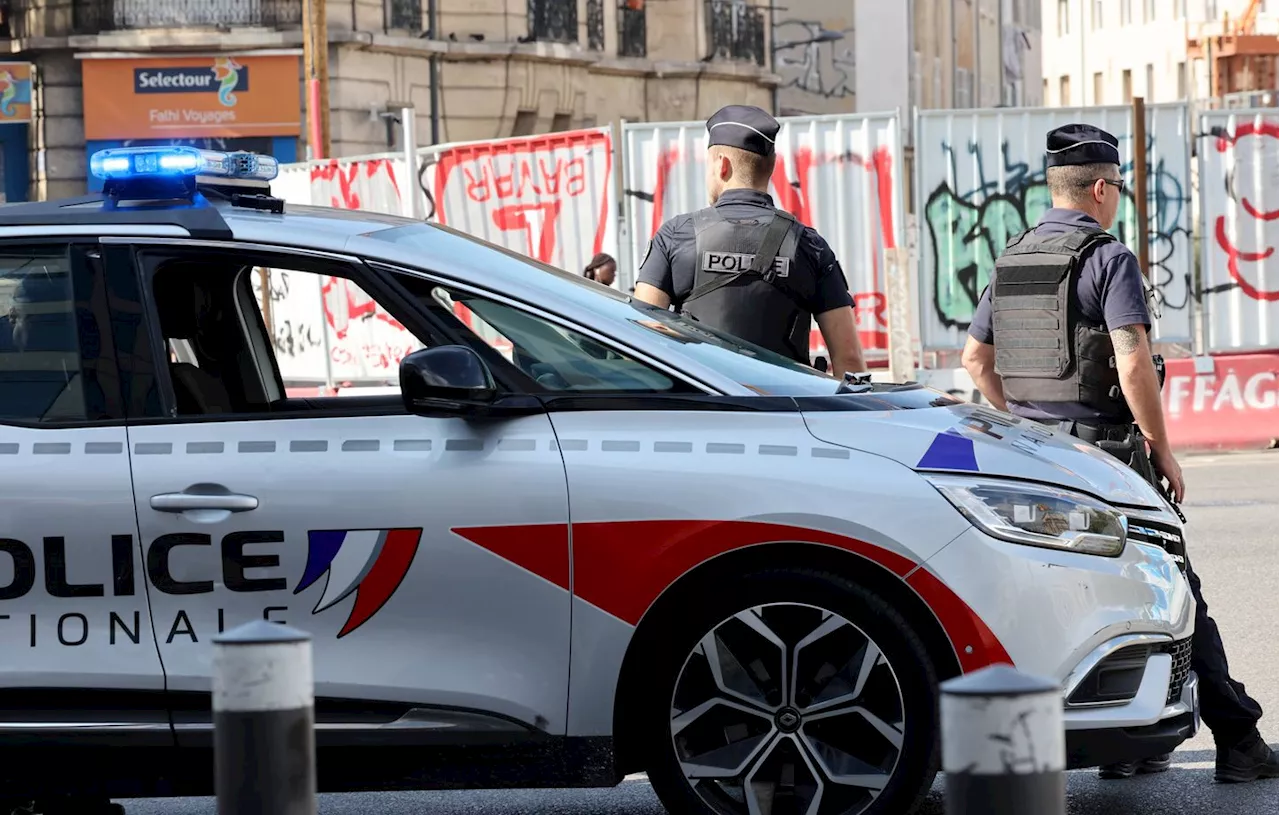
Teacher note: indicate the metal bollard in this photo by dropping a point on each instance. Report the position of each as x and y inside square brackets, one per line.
[264, 721]
[1003, 744]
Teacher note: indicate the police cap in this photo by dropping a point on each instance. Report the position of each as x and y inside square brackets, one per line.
[1081, 144]
[745, 127]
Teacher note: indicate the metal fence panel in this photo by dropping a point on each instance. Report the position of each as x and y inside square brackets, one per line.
[838, 174]
[980, 180]
[1240, 211]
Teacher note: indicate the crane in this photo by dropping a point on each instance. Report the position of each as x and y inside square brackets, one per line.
[1240, 59]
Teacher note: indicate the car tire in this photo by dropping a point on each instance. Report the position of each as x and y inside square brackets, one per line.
[838, 719]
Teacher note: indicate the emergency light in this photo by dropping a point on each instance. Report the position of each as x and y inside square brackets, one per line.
[177, 163]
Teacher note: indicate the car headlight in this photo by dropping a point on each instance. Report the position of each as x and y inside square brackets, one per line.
[1037, 515]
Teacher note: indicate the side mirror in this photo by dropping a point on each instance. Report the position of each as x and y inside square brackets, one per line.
[452, 380]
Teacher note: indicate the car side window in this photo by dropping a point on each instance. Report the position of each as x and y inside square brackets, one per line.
[238, 337]
[556, 358]
[48, 338]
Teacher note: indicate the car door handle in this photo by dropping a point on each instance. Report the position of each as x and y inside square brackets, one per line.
[186, 501]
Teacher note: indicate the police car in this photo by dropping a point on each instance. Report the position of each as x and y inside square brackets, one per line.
[586, 538]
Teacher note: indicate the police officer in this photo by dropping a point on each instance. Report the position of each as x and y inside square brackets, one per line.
[744, 267]
[1060, 337]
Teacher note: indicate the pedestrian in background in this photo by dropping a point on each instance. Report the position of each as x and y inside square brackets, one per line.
[602, 269]
[1060, 337]
[745, 267]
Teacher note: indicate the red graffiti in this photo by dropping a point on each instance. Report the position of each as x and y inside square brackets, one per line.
[527, 176]
[347, 197]
[541, 218]
[345, 302]
[529, 179]
[1235, 255]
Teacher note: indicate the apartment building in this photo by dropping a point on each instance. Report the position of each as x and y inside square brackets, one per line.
[841, 56]
[227, 73]
[1106, 52]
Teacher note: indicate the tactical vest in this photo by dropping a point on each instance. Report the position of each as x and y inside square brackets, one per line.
[740, 285]
[1046, 349]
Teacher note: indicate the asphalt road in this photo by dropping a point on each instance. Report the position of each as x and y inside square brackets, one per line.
[1231, 505]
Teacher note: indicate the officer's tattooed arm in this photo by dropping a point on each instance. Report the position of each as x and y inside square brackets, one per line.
[1141, 387]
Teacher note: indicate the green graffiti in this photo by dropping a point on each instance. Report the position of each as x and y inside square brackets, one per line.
[969, 230]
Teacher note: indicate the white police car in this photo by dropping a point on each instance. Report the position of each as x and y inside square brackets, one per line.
[589, 537]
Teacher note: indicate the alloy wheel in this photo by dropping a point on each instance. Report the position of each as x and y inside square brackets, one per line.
[787, 709]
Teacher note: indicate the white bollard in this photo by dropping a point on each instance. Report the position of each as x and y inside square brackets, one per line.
[1003, 744]
[264, 721]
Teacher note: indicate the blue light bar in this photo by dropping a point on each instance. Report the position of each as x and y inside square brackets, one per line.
[159, 163]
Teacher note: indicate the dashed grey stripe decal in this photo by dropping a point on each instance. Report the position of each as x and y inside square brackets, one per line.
[464, 445]
[722, 447]
[412, 445]
[518, 445]
[613, 446]
[830, 452]
[424, 445]
[673, 447]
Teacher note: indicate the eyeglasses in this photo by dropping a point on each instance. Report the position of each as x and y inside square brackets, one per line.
[1119, 185]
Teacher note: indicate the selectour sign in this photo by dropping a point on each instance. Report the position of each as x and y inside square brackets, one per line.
[185, 97]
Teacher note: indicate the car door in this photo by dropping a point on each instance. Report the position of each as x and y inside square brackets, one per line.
[396, 540]
[80, 658]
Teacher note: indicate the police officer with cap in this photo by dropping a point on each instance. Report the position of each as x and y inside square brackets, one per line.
[745, 267]
[1060, 337]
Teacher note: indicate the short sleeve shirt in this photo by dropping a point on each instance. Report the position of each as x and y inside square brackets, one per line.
[670, 264]
[1110, 292]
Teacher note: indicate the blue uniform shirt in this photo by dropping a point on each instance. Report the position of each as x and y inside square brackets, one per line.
[670, 262]
[1110, 292]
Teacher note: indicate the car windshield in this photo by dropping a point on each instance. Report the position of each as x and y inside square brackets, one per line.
[755, 368]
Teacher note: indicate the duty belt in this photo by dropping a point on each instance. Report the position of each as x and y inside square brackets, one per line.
[1092, 433]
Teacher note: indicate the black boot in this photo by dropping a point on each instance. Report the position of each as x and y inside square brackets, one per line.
[1155, 764]
[1247, 760]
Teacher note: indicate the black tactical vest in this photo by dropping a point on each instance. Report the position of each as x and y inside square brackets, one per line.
[1046, 349]
[740, 284]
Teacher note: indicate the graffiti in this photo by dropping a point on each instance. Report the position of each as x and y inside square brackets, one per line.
[815, 60]
[352, 185]
[294, 340]
[1249, 235]
[345, 303]
[384, 356]
[546, 197]
[969, 228]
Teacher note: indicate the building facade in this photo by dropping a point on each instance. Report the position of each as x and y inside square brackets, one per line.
[1106, 52]
[228, 73]
[842, 56]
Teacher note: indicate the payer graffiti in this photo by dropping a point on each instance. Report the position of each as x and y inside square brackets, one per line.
[969, 227]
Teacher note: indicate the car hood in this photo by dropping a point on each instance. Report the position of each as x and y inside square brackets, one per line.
[961, 437]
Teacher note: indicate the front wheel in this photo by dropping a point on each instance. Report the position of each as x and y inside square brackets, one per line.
[792, 691]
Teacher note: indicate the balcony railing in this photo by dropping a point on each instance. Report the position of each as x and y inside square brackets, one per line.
[553, 20]
[632, 36]
[735, 30]
[62, 17]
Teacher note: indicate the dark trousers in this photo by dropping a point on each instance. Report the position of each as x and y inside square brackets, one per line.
[1226, 708]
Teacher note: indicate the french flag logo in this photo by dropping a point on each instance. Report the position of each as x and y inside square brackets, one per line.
[370, 562]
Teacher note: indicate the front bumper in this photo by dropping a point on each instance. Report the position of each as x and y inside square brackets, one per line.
[1093, 741]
